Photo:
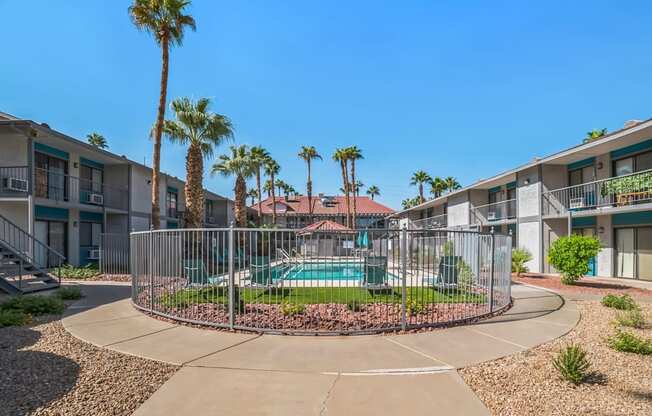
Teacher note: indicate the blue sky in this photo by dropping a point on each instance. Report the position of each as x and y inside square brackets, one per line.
[466, 90]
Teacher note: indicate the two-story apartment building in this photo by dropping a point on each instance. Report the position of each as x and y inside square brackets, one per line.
[601, 188]
[66, 194]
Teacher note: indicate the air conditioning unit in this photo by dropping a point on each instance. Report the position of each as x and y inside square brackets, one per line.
[16, 184]
[492, 216]
[576, 203]
[96, 199]
[211, 220]
[94, 254]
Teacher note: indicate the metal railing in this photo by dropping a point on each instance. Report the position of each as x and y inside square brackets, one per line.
[437, 221]
[497, 211]
[14, 181]
[620, 191]
[60, 187]
[114, 254]
[320, 282]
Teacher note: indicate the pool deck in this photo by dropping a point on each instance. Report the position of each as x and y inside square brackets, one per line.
[251, 374]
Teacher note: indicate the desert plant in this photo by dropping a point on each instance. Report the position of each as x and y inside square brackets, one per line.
[414, 306]
[290, 309]
[69, 293]
[624, 341]
[633, 318]
[34, 305]
[354, 305]
[79, 273]
[465, 276]
[623, 303]
[520, 256]
[570, 255]
[14, 318]
[628, 184]
[448, 248]
[572, 363]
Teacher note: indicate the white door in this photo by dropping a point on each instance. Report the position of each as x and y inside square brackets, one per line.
[625, 252]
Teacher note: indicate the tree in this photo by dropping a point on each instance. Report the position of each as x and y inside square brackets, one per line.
[419, 178]
[341, 156]
[280, 185]
[166, 21]
[354, 153]
[253, 194]
[570, 255]
[240, 165]
[594, 135]
[308, 154]
[520, 256]
[97, 140]
[411, 202]
[268, 187]
[451, 184]
[271, 169]
[202, 131]
[373, 191]
[357, 187]
[437, 186]
[258, 157]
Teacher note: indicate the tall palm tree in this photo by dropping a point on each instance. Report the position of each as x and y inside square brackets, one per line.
[202, 131]
[166, 21]
[280, 185]
[258, 156]
[354, 153]
[341, 156]
[373, 191]
[237, 164]
[419, 178]
[308, 154]
[594, 134]
[253, 194]
[451, 184]
[357, 187]
[437, 186]
[268, 187]
[271, 169]
[97, 140]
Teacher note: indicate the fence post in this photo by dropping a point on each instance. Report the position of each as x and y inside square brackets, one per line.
[404, 278]
[231, 279]
[491, 271]
[151, 271]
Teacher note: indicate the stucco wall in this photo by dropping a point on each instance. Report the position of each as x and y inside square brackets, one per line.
[141, 189]
[528, 195]
[606, 254]
[458, 210]
[528, 238]
[16, 212]
[552, 230]
[14, 150]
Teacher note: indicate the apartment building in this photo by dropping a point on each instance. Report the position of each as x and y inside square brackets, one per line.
[61, 193]
[601, 188]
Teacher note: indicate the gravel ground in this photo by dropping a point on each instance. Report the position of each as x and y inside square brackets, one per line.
[528, 384]
[46, 371]
[103, 277]
[585, 286]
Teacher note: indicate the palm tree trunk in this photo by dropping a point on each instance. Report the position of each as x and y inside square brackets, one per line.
[158, 130]
[309, 189]
[240, 201]
[271, 177]
[421, 193]
[260, 197]
[345, 179]
[194, 189]
[355, 194]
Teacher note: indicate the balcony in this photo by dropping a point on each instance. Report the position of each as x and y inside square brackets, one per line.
[437, 221]
[14, 181]
[493, 213]
[60, 187]
[621, 191]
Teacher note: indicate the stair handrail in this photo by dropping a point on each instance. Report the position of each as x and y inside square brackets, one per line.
[30, 238]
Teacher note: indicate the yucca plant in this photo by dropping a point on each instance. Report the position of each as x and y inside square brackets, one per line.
[572, 363]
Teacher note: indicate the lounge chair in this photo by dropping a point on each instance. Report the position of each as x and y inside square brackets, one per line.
[447, 272]
[196, 273]
[375, 272]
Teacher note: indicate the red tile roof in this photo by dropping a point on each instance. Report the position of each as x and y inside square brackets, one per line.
[299, 206]
[326, 225]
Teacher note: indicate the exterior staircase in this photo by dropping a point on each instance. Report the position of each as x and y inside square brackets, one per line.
[25, 262]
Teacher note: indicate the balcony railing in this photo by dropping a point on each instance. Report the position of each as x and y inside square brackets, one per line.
[14, 181]
[498, 211]
[60, 187]
[437, 221]
[620, 191]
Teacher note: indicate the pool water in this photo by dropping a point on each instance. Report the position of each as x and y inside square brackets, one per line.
[321, 271]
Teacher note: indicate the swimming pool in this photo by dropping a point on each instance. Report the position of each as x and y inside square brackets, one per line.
[321, 271]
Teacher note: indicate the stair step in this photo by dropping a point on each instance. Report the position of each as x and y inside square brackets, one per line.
[30, 278]
[38, 287]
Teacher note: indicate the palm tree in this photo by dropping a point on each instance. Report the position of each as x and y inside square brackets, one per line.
[419, 178]
[357, 187]
[373, 191]
[354, 153]
[97, 140]
[258, 156]
[594, 134]
[308, 154]
[240, 165]
[268, 187]
[341, 156]
[289, 190]
[437, 186]
[166, 21]
[202, 131]
[253, 194]
[280, 185]
[451, 184]
[271, 169]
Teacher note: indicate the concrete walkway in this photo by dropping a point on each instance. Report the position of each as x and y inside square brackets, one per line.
[249, 374]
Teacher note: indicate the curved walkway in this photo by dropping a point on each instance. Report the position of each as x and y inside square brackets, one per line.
[237, 373]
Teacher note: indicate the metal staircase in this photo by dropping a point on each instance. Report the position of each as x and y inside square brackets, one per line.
[25, 262]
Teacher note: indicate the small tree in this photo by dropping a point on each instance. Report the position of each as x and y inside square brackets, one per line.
[570, 255]
[520, 256]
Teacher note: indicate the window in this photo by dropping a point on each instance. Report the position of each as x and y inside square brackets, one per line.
[89, 234]
[644, 161]
[633, 164]
[493, 197]
[50, 177]
[171, 203]
[624, 166]
[91, 179]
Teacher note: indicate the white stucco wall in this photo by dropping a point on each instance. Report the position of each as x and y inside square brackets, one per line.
[458, 210]
[528, 238]
[606, 254]
[16, 212]
[528, 195]
[14, 150]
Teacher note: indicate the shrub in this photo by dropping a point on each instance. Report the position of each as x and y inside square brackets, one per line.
[80, 273]
[623, 303]
[572, 364]
[632, 318]
[624, 341]
[354, 305]
[414, 306]
[520, 256]
[290, 309]
[69, 293]
[465, 276]
[448, 248]
[34, 305]
[570, 255]
[14, 318]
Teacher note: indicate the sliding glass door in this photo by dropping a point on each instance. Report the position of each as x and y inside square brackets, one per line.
[644, 253]
[625, 252]
[634, 252]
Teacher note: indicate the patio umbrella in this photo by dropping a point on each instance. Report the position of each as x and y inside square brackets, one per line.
[363, 240]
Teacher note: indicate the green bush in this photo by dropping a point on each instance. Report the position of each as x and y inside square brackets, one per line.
[79, 273]
[290, 309]
[632, 318]
[465, 276]
[414, 306]
[354, 305]
[520, 256]
[623, 303]
[34, 305]
[624, 341]
[572, 364]
[69, 293]
[448, 248]
[14, 318]
[570, 255]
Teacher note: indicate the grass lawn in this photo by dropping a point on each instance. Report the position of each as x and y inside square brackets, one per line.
[314, 295]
